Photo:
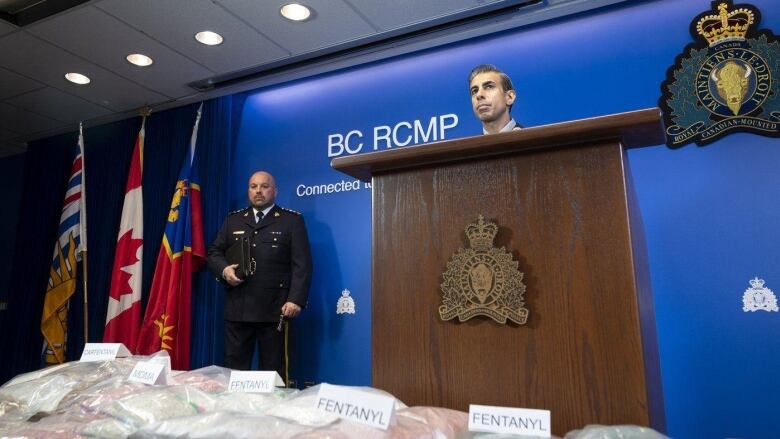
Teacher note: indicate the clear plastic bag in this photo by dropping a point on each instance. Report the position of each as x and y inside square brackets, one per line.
[25, 399]
[211, 379]
[614, 432]
[223, 425]
[409, 423]
[155, 404]
[301, 407]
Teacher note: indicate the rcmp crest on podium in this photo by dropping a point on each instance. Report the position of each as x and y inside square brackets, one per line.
[483, 280]
[727, 81]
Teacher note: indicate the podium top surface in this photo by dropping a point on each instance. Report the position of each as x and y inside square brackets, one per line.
[633, 129]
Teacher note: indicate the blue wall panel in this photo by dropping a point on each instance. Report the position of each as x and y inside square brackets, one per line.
[709, 212]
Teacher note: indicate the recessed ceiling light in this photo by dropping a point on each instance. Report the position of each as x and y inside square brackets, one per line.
[77, 78]
[209, 38]
[295, 12]
[139, 60]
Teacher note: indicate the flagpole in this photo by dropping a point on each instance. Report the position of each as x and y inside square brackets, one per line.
[83, 225]
[86, 304]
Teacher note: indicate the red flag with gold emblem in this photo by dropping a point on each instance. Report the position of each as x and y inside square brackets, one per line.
[166, 323]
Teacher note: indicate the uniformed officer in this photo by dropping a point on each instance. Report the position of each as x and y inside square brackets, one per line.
[279, 285]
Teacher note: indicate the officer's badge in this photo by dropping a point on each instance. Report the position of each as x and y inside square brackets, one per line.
[758, 297]
[483, 280]
[345, 304]
[725, 82]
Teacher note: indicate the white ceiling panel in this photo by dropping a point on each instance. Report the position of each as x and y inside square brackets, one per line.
[108, 41]
[59, 106]
[175, 23]
[16, 120]
[409, 12]
[46, 63]
[260, 49]
[7, 135]
[11, 147]
[12, 84]
[6, 28]
[9, 144]
[334, 22]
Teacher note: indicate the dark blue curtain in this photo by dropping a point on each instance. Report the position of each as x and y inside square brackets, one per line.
[46, 172]
[107, 157]
[219, 128]
[12, 174]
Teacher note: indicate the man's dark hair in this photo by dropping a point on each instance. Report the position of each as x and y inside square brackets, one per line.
[506, 83]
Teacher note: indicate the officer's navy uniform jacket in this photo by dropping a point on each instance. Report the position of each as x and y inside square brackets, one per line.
[280, 248]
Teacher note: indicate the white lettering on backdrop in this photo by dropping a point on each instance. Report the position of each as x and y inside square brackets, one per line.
[385, 136]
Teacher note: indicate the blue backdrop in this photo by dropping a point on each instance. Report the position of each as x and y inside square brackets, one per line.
[708, 212]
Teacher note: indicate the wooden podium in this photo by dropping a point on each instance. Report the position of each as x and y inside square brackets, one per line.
[562, 197]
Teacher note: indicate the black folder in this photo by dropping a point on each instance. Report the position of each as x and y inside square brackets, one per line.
[239, 253]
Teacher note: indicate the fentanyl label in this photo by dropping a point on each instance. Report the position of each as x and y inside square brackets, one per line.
[491, 419]
[254, 381]
[361, 407]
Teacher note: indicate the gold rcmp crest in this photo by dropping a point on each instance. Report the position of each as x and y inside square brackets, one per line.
[483, 280]
[724, 82]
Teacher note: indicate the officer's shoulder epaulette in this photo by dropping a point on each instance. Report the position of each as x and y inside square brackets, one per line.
[237, 211]
[294, 212]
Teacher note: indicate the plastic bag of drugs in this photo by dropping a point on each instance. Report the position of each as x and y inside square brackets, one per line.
[614, 432]
[409, 423]
[155, 404]
[301, 407]
[223, 425]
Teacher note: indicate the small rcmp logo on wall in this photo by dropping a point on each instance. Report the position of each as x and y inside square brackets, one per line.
[758, 297]
[345, 304]
[725, 82]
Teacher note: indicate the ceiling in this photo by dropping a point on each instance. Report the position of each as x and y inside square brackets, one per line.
[93, 38]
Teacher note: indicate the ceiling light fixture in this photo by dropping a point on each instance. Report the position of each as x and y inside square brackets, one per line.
[209, 38]
[139, 60]
[77, 78]
[295, 12]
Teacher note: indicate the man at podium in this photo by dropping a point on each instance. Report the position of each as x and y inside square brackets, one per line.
[492, 97]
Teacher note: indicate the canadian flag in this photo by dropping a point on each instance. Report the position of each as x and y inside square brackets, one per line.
[123, 318]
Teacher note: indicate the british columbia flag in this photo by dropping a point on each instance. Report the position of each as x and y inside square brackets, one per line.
[71, 242]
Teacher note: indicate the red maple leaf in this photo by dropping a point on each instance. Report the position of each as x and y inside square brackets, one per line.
[126, 255]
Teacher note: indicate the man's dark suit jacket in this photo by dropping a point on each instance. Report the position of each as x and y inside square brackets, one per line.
[280, 248]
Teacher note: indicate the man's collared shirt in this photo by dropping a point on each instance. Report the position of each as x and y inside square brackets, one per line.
[508, 127]
[265, 211]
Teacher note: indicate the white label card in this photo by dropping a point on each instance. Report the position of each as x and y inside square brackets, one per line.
[164, 360]
[148, 372]
[103, 351]
[528, 422]
[355, 405]
[254, 381]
